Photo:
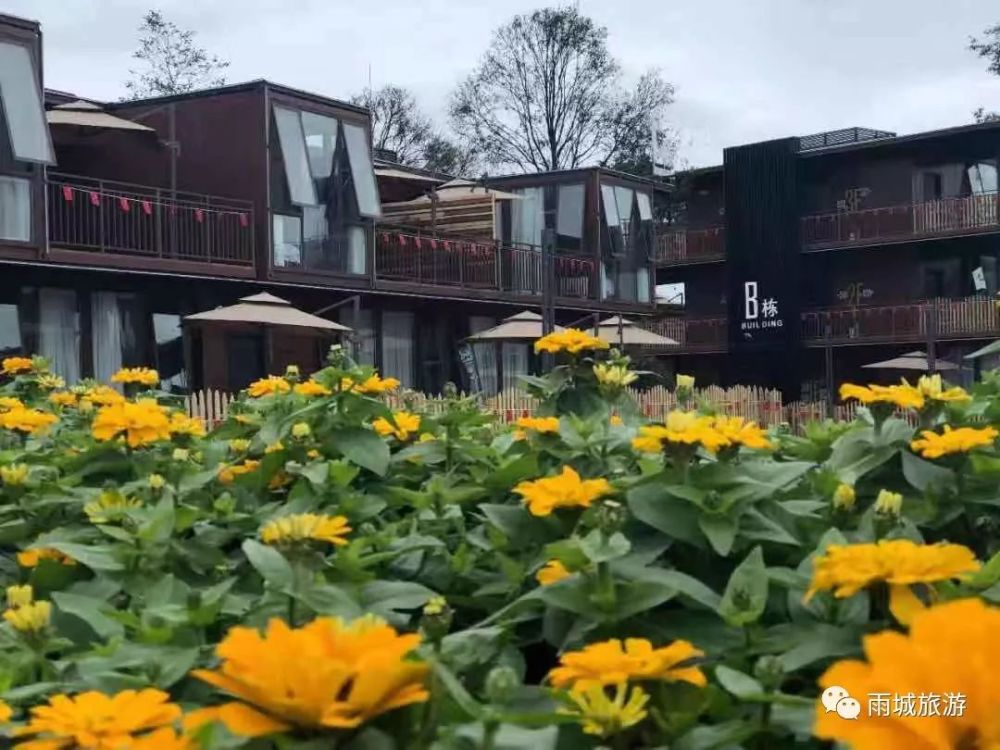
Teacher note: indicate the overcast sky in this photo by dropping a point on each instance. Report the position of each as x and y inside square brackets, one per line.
[744, 70]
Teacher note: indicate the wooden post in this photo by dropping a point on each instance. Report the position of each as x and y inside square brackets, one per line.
[931, 311]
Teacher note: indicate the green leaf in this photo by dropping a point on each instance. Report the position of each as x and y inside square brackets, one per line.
[570, 594]
[923, 474]
[653, 505]
[987, 575]
[746, 593]
[709, 737]
[738, 683]
[635, 597]
[91, 611]
[362, 447]
[600, 548]
[95, 557]
[518, 525]
[689, 587]
[720, 531]
[271, 564]
[384, 598]
[455, 689]
[512, 471]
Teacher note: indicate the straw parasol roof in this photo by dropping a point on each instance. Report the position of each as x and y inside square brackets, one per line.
[88, 115]
[911, 361]
[458, 190]
[269, 310]
[623, 332]
[525, 326]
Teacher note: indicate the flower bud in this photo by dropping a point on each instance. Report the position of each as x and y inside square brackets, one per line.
[611, 516]
[685, 381]
[436, 620]
[501, 682]
[844, 497]
[14, 475]
[301, 430]
[769, 671]
[292, 372]
[888, 504]
[156, 481]
[181, 454]
[450, 390]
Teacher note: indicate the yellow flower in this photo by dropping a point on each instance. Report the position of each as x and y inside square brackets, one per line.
[436, 605]
[50, 382]
[612, 662]
[370, 385]
[141, 423]
[844, 497]
[616, 375]
[566, 490]
[682, 428]
[30, 421]
[570, 340]
[279, 480]
[301, 430]
[228, 474]
[933, 388]
[959, 440]
[951, 651]
[86, 406]
[325, 675]
[156, 481]
[9, 402]
[163, 739]
[274, 447]
[30, 558]
[140, 375]
[18, 596]
[182, 424]
[103, 395]
[29, 618]
[616, 421]
[63, 398]
[306, 527]
[685, 381]
[888, 503]
[903, 396]
[292, 371]
[553, 571]
[239, 445]
[5, 713]
[14, 365]
[426, 437]
[603, 716]
[268, 386]
[311, 388]
[539, 424]
[403, 424]
[110, 506]
[737, 431]
[96, 721]
[15, 474]
[846, 569]
[180, 454]
[313, 453]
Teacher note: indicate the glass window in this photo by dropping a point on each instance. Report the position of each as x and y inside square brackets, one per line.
[671, 294]
[293, 153]
[397, 345]
[59, 331]
[983, 178]
[645, 208]
[357, 250]
[569, 213]
[106, 334]
[22, 105]
[169, 339]
[10, 330]
[623, 197]
[15, 209]
[527, 217]
[287, 232]
[607, 280]
[361, 170]
[642, 283]
[610, 206]
[321, 143]
[485, 353]
[363, 333]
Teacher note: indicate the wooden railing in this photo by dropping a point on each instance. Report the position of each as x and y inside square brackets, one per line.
[437, 261]
[123, 219]
[940, 319]
[679, 246]
[949, 216]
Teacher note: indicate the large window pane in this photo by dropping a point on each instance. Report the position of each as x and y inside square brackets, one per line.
[10, 331]
[321, 143]
[357, 250]
[22, 105]
[287, 231]
[642, 283]
[485, 353]
[169, 351]
[361, 170]
[610, 206]
[645, 208]
[569, 214]
[293, 154]
[528, 217]
[15, 209]
[59, 331]
[363, 333]
[397, 345]
[623, 197]
[106, 334]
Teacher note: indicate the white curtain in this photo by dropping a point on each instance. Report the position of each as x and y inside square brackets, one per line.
[364, 333]
[356, 250]
[528, 217]
[485, 353]
[642, 283]
[106, 328]
[397, 345]
[515, 364]
[15, 209]
[59, 331]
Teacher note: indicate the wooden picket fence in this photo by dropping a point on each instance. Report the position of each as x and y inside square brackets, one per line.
[760, 405]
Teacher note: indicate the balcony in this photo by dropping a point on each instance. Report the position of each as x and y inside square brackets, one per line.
[972, 214]
[942, 319]
[481, 267]
[132, 226]
[684, 246]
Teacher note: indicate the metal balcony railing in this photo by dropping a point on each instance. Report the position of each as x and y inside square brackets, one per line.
[680, 246]
[118, 218]
[970, 214]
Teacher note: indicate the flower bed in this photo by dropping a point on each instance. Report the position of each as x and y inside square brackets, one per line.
[323, 571]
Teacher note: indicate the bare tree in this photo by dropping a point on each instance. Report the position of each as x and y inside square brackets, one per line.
[547, 94]
[398, 125]
[171, 61]
[989, 49]
[442, 154]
